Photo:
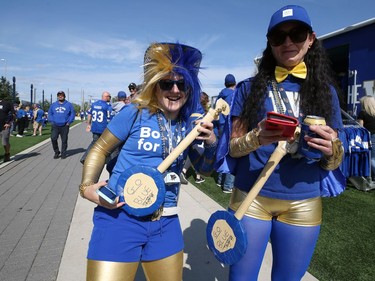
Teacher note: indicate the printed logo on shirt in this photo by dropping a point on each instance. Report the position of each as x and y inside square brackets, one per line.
[150, 135]
[60, 109]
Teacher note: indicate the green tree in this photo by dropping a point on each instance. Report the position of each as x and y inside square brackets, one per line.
[6, 90]
[46, 104]
[86, 106]
[77, 108]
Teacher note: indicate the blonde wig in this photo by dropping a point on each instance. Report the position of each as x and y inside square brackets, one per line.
[162, 59]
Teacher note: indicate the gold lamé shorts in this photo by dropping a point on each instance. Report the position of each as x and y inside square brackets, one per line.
[307, 212]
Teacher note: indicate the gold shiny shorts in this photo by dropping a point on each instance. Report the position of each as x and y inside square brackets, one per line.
[306, 212]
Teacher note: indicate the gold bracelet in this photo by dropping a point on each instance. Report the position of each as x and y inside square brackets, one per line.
[244, 145]
[332, 162]
[83, 186]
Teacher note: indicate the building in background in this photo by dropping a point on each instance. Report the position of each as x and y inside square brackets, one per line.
[352, 52]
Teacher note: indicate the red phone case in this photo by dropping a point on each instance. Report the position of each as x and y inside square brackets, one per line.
[277, 121]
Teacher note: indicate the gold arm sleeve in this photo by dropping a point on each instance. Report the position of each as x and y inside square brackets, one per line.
[95, 160]
[244, 145]
[332, 162]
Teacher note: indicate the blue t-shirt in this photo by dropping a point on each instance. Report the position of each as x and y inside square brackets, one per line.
[39, 116]
[101, 114]
[143, 145]
[293, 178]
[21, 113]
[29, 114]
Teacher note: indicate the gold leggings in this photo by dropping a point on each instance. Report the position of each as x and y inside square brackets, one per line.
[167, 269]
[307, 212]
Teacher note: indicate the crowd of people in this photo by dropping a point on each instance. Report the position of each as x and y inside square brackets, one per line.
[19, 119]
[26, 118]
[149, 123]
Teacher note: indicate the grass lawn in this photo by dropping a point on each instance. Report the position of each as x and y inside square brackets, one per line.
[20, 144]
[345, 249]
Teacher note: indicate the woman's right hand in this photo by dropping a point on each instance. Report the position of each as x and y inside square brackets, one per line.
[91, 195]
[266, 136]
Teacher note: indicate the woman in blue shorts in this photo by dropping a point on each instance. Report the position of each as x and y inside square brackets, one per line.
[293, 78]
[150, 128]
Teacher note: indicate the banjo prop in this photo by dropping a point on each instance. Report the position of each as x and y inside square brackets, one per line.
[225, 233]
[142, 188]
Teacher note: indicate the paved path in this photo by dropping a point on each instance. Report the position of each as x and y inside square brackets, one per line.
[45, 226]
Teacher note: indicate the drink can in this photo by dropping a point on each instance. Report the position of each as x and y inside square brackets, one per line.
[304, 148]
[314, 120]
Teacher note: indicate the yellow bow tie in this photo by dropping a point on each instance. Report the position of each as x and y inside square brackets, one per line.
[299, 71]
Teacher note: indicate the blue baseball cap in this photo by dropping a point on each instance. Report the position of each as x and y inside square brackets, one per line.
[121, 95]
[229, 79]
[289, 13]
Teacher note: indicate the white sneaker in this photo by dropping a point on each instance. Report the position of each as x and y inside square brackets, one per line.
[183, 179]
[19, 136]
[199, 180]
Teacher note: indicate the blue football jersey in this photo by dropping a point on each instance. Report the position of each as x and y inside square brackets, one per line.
[101, 114]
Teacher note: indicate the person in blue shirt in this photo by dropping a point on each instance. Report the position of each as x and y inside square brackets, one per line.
[30, 118]
[38, 119]
[226, 180]
[293, 78]
[99, 114]
[82, 115]
[60, 114]
[21, 120]
[150, 128]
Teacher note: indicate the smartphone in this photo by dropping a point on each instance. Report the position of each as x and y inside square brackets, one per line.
[107, 194]
[277, 121]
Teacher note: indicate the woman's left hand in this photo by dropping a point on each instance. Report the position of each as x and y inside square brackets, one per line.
[206, 132]
[324, 144]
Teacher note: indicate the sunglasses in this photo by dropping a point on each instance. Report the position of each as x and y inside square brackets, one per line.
[167, 85]
[296, 35]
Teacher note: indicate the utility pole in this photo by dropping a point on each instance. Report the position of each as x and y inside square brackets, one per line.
[5, 67]
[34, 99]
[14, 89]
[31, 94]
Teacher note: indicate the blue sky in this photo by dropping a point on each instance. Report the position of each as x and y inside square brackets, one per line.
[87, 46]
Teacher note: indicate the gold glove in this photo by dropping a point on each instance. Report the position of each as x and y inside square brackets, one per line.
[244, 145]
[332, 162]
[95, 160]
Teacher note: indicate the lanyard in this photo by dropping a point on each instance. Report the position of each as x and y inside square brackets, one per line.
[279, 94]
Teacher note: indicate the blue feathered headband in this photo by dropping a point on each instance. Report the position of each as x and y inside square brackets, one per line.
[163, 58]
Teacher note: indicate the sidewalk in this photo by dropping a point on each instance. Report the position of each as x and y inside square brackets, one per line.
[45, 226]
